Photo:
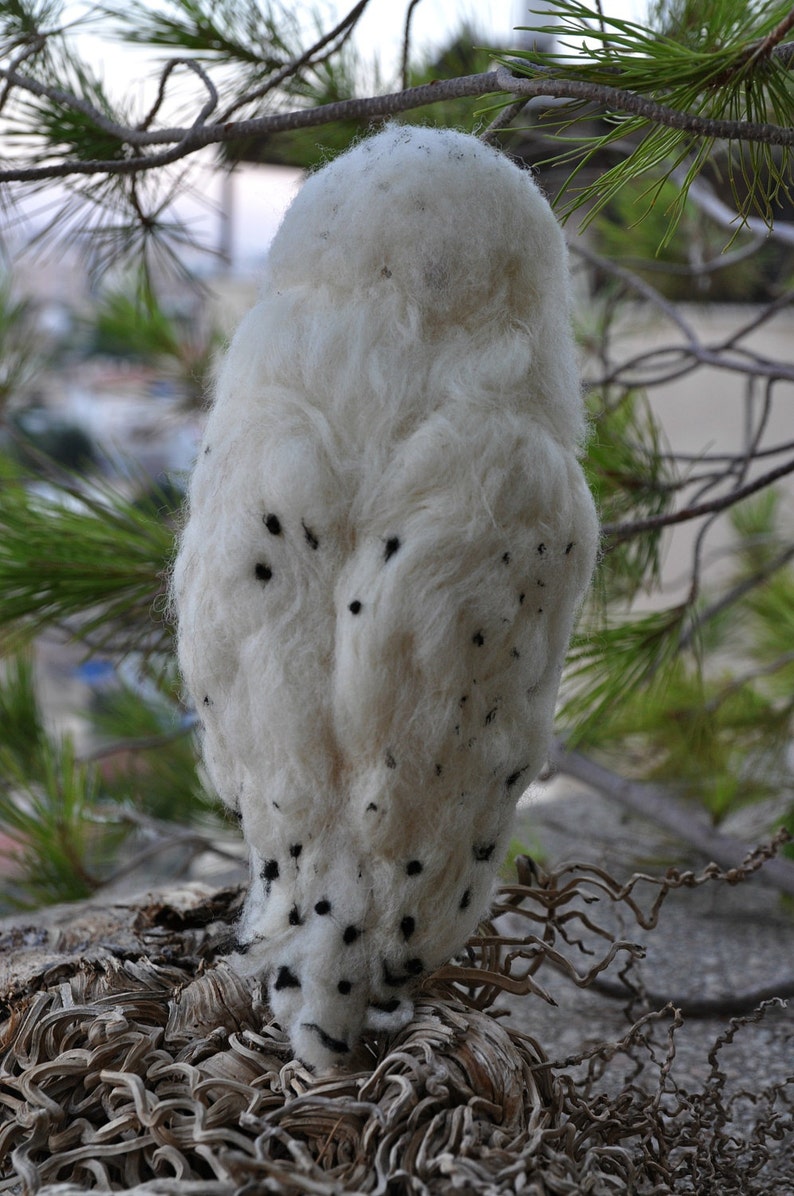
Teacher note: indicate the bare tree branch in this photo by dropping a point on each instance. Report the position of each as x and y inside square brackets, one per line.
[659, 805]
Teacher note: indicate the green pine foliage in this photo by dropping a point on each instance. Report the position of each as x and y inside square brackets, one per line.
[87, 560]
[59, 846]
[712, 713]
[713, 59]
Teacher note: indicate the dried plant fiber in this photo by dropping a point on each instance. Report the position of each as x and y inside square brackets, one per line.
[134, 1060]
[389, 534]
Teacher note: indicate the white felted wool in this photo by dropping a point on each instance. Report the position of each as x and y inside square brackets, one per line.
[389, 535]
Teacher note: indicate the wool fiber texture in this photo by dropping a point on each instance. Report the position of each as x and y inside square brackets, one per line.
[389, 535]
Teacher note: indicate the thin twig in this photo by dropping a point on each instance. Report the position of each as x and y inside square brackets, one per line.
[409, 12]
[342, 30]
[618, 532]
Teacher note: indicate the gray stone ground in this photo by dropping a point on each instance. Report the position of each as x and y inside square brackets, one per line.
[718, 944]
[723, 945]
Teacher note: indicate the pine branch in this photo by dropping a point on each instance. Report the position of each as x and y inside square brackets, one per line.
[187, 140]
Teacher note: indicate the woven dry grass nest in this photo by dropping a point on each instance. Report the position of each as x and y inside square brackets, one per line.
[137, 1062]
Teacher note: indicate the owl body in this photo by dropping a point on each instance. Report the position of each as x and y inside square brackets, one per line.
[389, 535]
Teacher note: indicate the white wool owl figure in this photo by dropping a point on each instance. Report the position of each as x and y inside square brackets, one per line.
[389, 535]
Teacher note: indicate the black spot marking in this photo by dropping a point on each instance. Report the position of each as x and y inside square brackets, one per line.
[336, 1045]
[483, 851]
[542, 584]
[386, 1006]
[208, 450]
[344, 987]
[273, 524]
[521, 598]
[269, 870]
[413, 867]
[286, 979]
[385, 272]
[465, 900]
[514, 776]
[354, 607]
[514, 652]
[295, 918]
[276, 806]
[540, 610]
[390, 761]
[311, 539]
[541, 549]
[371, 806]
[392, 544]
[350, 934]
[490, 716]
[506, 558]
[464, 699]
[568, 547]
[407, 926]
[207, 701]
[295, 850]
[323, 906]
[439, 769]
[478, 638]
[414, 967]
[262, 571]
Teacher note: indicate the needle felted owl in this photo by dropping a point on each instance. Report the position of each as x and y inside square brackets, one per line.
[389, 534]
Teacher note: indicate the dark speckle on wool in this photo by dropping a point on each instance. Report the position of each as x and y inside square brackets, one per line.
[350, 934]
[323, 906]
[478, 638]
[269, 870]
[407, 926]
[371, 808]
[295, 850]
[390, 761]
[309, 535]
[506, 558]
[521, 598]
[262, 571]
[295, 918]
[541, 549]
[392, 545]
[336, 1045]
[568, 547]
[354, 607]
[344, 987]
[413, 867]
[439, 769]
[514, 652]
[273, 524]
[514, 776]
[483, 851]
[286, 979]
[386, 1006]
[414, 967]
[465, 900]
